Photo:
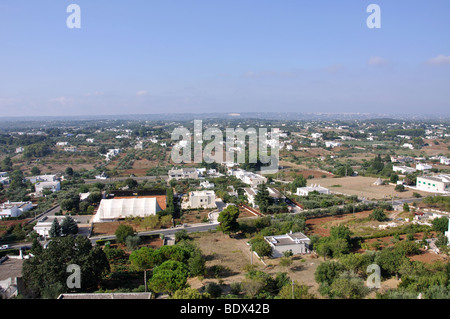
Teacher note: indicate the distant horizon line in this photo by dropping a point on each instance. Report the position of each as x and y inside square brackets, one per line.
[235, 115]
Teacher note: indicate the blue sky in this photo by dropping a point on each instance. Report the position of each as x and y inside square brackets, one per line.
[158, 56]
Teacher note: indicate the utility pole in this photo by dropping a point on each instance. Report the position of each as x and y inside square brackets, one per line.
[293, 289]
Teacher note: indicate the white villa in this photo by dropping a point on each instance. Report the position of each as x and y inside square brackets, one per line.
[304, 191]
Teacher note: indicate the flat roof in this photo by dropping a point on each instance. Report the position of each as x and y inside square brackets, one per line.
[140, 295]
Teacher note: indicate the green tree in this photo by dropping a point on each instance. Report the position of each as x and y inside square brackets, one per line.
[262, 198]
[299, 181]
[35, 171]
[228, 220]
[131, 183]
[378, 215]
[295, 291]
[197, 264]
[69, 171]
[169, 277]
[55, 229]
[440, 224]
[405, 207]
[122, 232]
[328, 271]
[94, 198]
[394, 178]
[69, 226]
[348, 286]
[45, 274]
[262, 248]
[187, 293]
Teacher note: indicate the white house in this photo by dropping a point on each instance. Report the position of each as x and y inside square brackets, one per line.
[304, 191]
[445, 160]
[52, 186]
[200, 199]
[251, 192]
[44, 225]
[41, 178]
[423, 167]
[14, 209]
[62, 143]
[250, 178]
[332, 144]
[207, 184]
[183, 173]
[403, 169]
[408, 145]
[298, 243]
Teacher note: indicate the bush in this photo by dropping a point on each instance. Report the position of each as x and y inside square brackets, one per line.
[122, 232]
[378, 215]
[213, 289]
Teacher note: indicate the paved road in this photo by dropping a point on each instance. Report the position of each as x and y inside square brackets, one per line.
[166, 232]
[120, 179]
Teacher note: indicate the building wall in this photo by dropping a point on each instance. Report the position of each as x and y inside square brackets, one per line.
[277, 251]
[205, 201]
[430, 185]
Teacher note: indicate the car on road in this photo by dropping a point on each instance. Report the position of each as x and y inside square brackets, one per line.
[4, 247]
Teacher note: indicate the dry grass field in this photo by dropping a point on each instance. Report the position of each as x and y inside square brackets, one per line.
[364, 187]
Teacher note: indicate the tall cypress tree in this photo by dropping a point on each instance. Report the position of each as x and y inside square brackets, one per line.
[55, 230]
[262, 198]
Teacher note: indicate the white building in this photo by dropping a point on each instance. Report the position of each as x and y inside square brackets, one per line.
[403, 169]
[119, 208]
[14, 209]
[112, 153]
[72, 149]
[447, 233]
[423, 167]
[207, 185]
[184, 173]
[62, 143]
[250, 178]
[332, 144]
[316, 135]
[304, 191]
[408, 145]
[298, 243]
[435, 184]
[251, 192]
[41, 178]
[44, 225]
[445, 160]
[200, 199]
[90, 140]
[51, 186]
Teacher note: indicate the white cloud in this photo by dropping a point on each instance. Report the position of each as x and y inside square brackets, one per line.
[439, 60]
[141, 93]
[376, 60]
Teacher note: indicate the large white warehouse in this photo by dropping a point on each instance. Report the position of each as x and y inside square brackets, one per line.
[119, 208]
